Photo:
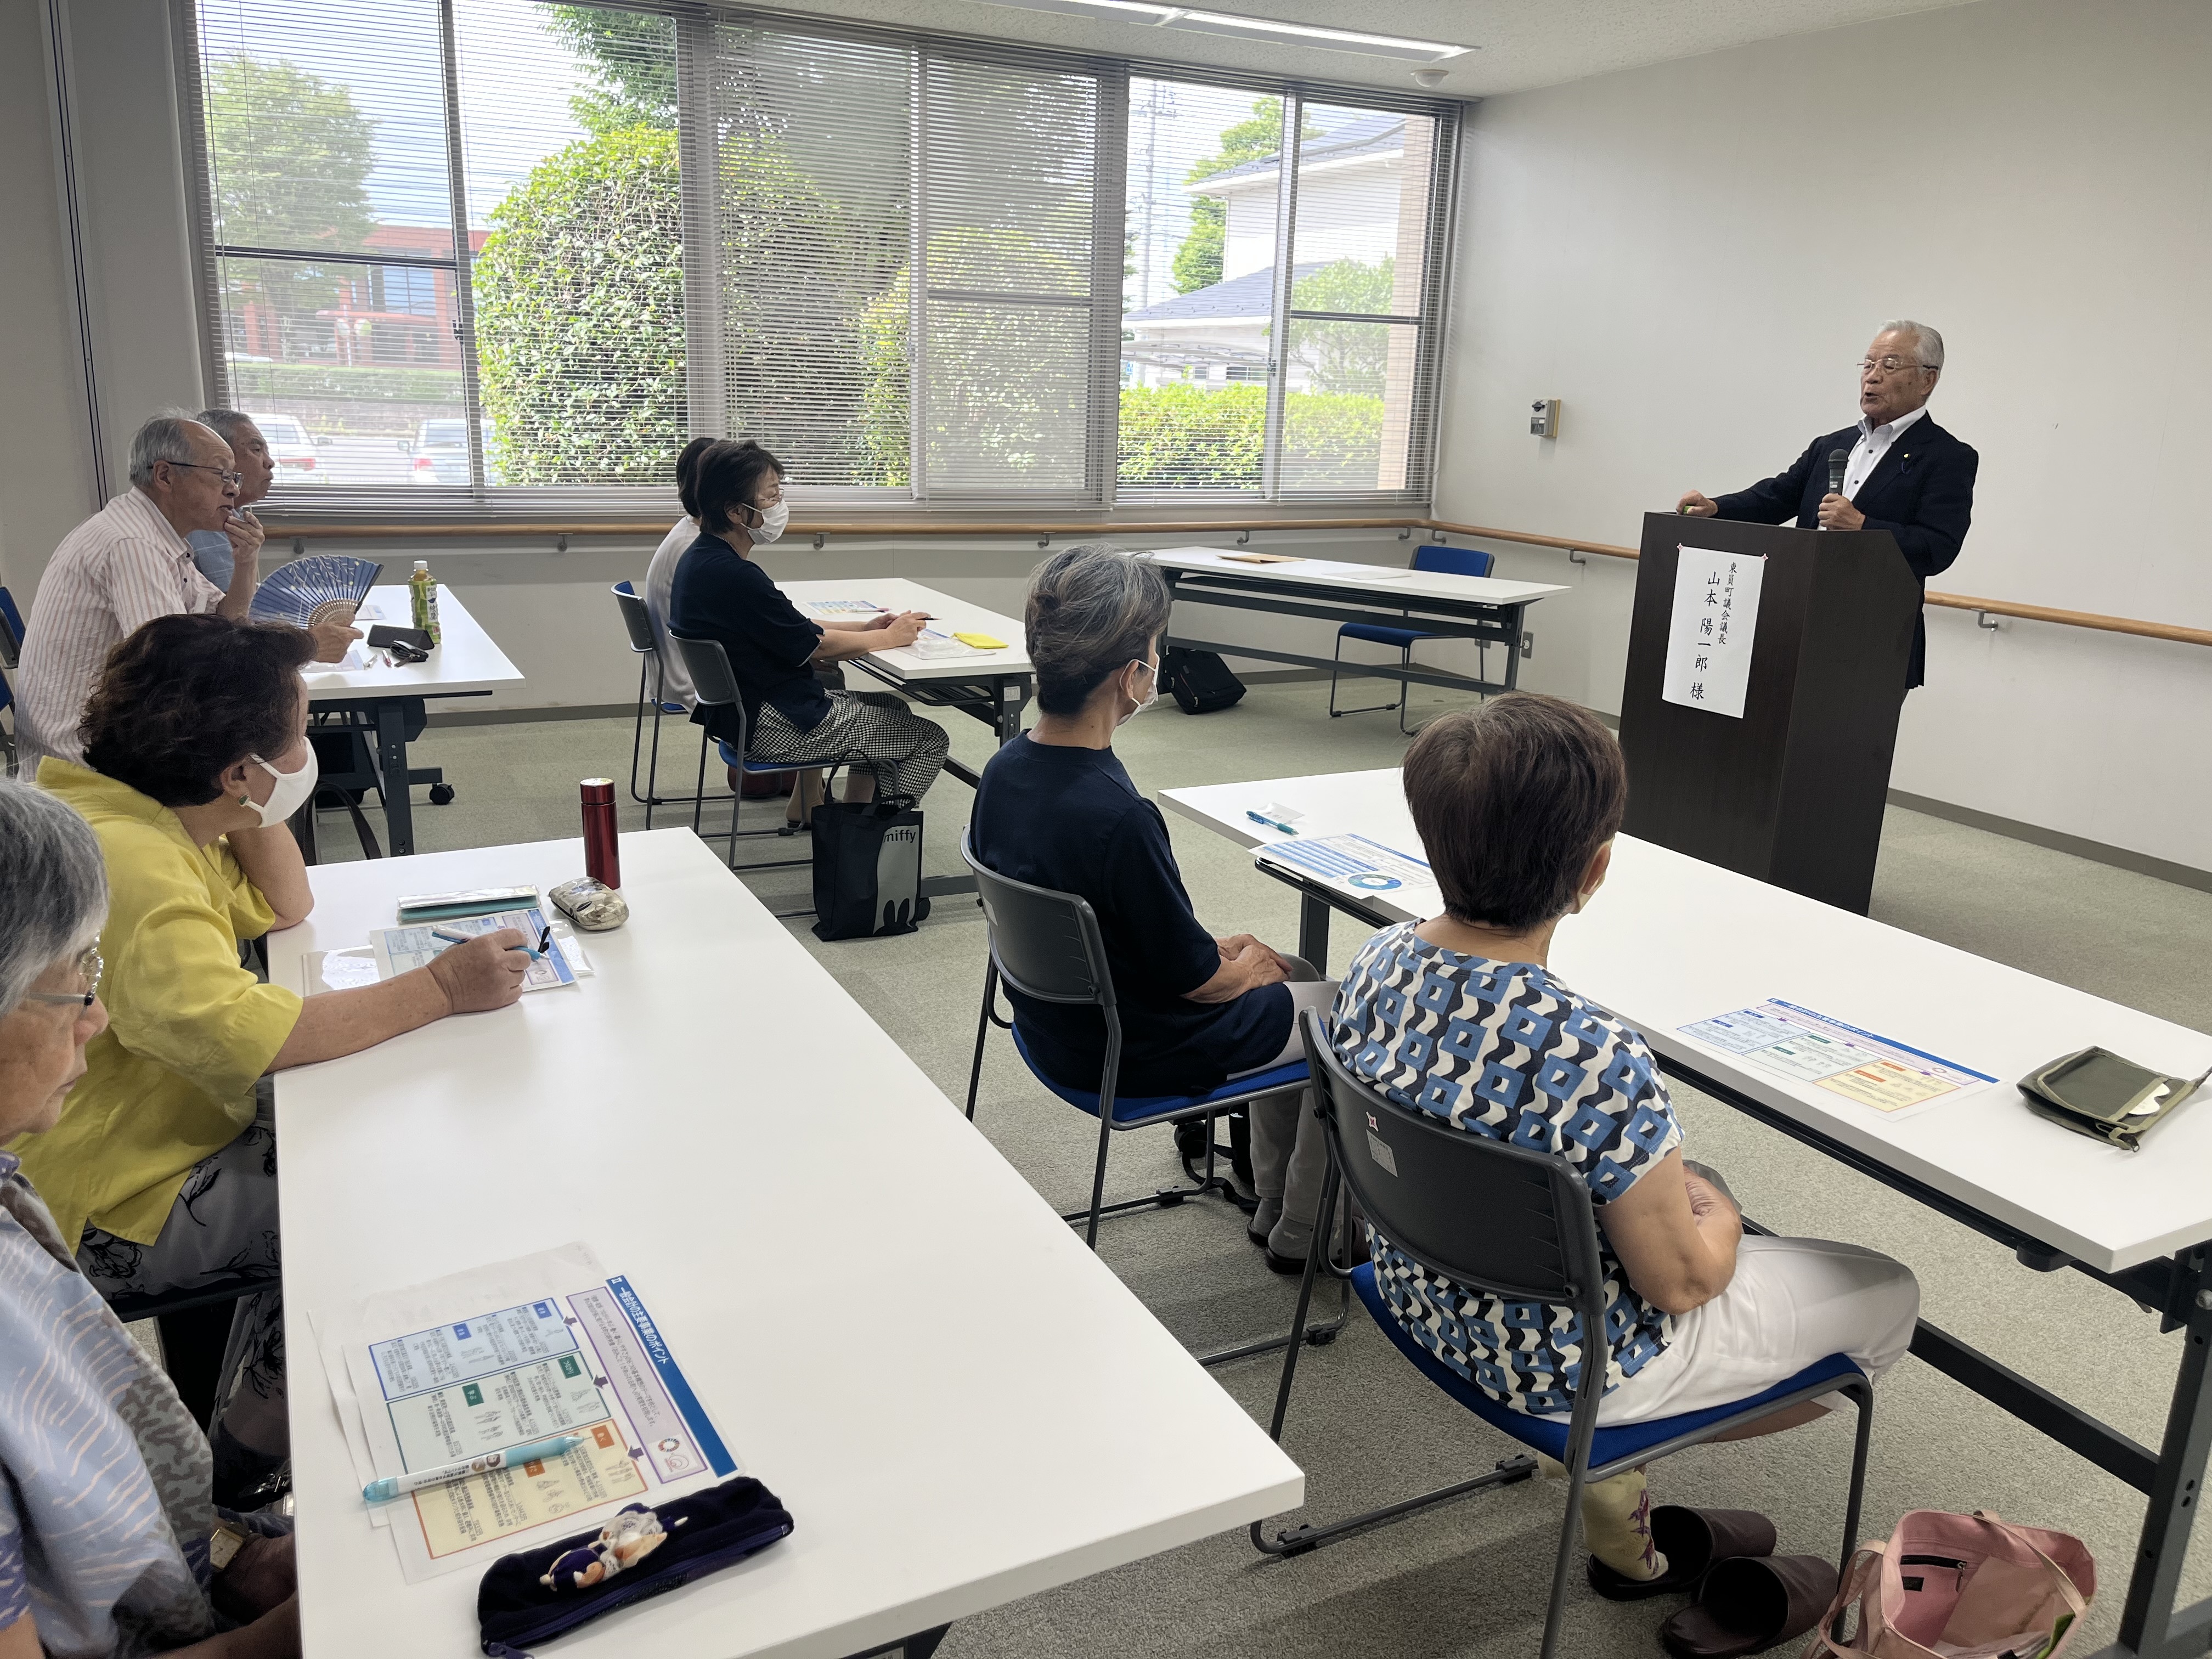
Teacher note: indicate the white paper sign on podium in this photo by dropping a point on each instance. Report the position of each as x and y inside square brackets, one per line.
[1709, 638]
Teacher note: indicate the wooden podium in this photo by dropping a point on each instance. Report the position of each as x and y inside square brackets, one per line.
[1792, 792]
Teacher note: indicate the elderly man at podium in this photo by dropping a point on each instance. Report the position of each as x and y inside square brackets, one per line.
[1895, 471]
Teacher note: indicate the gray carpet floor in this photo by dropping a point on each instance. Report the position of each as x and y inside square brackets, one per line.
[1470, 1578]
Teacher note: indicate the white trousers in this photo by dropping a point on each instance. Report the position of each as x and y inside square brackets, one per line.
[1289, 1155]
[1793, 1301]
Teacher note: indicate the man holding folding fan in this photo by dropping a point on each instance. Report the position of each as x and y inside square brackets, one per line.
[217, 551]
[129, 563]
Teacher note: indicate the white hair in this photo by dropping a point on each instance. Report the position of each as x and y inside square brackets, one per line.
[1927, 344]
[167, 437]
[52, 870]
[228, 424]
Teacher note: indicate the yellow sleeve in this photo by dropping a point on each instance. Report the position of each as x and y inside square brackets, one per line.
[177, 996]
[250, 914]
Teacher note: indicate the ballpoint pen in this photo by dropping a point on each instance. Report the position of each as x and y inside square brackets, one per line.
[1273, 823]
[452, 937]
[537, 1451]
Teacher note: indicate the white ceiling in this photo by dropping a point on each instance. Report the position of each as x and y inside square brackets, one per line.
[1524, 43]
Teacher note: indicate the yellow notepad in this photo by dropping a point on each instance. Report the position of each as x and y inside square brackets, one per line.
[981, 642]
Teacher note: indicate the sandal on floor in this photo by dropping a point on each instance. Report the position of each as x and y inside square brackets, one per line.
[1750, 1604]
[1692, 1541]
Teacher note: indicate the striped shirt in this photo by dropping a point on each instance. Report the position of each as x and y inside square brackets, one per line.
[104, 1476]
[117, 571]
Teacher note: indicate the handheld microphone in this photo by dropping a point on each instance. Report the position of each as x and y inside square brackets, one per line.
[1838, 459]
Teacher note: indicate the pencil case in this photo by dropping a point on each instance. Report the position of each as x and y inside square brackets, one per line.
[536, 1595]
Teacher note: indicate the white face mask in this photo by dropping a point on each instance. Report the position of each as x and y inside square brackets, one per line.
[293, 791]
[1149, 698]
[773, 520]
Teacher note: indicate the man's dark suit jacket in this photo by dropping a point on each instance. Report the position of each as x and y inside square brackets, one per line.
[1922, 492]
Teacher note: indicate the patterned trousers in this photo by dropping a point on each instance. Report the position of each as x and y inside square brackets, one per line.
[222, 1228]
[871, 724]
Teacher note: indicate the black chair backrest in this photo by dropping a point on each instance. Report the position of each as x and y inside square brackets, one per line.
[636, 618]
[1506, 1220]
[708, 665]
[1046, 945]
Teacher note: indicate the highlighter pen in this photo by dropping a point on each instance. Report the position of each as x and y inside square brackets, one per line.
[537, 1451]
[1273, 823]
[453, 938]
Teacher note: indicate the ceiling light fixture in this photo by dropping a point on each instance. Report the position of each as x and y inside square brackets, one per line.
[1149, 15]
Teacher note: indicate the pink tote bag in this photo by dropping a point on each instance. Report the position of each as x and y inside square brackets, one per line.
[1961, 1587]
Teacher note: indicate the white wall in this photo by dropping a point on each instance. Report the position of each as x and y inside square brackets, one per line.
[1691, 256]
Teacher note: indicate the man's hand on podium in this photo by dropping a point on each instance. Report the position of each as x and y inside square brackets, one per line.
[1697, 506]
[1838, 514]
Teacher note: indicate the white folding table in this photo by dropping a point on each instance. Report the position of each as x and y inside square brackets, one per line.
[1671, 940]
[1487, 609]
[384, 704]
[958, 1402]
[992, 686]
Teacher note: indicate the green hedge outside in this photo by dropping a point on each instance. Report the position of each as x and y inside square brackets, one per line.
[1196, 437]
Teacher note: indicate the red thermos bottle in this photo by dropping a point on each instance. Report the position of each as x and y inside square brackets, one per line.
[601, 860]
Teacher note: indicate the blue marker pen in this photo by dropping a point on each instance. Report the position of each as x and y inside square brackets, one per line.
[1273, 823]
[537, 1451]
[451, 937]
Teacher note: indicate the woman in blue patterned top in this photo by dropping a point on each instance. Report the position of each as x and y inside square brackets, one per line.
[109, 1545]
[1517, 804]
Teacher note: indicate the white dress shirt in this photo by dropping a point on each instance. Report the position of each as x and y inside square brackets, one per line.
[659, 586]
[117, 571]
[1874, 443]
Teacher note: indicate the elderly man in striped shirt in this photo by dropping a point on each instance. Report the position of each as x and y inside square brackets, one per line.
[127, 564]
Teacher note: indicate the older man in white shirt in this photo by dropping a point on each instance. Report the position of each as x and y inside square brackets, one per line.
[125, 565]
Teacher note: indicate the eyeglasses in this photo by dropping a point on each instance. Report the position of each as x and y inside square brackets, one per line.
[88, 968]
[1886, 365]
[231, 478]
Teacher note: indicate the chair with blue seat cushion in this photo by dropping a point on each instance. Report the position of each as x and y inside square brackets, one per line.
[1510, 1222]
[716, 687]
[11, 630]
[1447, 561]
[1046, 945]
[651, 681]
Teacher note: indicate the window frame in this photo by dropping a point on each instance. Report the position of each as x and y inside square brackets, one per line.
[705, 371]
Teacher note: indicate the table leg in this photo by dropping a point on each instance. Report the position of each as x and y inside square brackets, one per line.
[2150, 1626]
[1313, 930]
[1513, 649]
[391, 766]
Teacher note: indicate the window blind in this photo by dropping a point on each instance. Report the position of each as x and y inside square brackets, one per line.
[921, 269]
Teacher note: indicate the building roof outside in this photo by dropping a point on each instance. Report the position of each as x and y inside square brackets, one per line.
[1250, 295]
[1374, 134]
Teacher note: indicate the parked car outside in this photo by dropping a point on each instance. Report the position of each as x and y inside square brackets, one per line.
[290, 448]
[440, 449]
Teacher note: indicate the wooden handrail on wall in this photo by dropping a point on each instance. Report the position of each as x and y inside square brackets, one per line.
[1242, 528]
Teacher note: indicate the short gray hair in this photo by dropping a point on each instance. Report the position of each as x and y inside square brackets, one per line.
[1092, 609]
[1927, 344]
[52, 870]
[167, 437]
[226, 424]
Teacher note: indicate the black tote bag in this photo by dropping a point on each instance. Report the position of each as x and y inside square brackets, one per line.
[867, 869]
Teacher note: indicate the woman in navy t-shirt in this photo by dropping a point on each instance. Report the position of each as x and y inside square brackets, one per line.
[719, 593]
[1055, 809]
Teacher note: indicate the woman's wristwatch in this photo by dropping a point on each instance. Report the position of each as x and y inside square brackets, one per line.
[224, 1543]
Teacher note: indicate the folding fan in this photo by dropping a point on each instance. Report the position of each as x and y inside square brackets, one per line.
[313, 590]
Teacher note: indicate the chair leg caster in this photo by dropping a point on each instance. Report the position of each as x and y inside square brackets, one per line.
[441, 795]
[1170, 1198]
[1322, 1339]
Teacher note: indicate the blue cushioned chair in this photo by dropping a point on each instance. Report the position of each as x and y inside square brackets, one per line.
[716, 687]
[652, 677]
[11, 630]
[1046, 945]
[1448, 560]
[1515, 1223]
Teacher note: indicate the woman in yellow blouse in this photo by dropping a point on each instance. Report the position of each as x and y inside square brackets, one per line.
[161, 1173]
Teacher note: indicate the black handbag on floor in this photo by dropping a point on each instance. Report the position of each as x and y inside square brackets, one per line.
[867, 868]
[1199, 681]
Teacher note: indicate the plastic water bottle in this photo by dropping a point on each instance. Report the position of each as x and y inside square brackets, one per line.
[422, 599]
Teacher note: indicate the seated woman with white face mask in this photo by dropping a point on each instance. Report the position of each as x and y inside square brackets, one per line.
[162, 1172]
[719, 593]
[1056, 809]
